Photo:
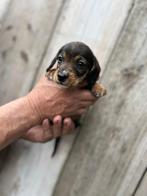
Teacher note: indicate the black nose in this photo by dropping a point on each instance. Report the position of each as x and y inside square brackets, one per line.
[62, 76]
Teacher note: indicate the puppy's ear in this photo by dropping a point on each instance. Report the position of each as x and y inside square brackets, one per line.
[93, 75]
[51, 64]
[54, 60]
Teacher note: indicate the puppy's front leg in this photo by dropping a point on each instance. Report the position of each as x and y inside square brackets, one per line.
[98, 90]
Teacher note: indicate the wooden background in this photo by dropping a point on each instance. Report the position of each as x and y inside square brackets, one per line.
[108, 157]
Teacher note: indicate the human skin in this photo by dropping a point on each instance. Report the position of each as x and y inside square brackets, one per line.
[21, 117]
[48, 131]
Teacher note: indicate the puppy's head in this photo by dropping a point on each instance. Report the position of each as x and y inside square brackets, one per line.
[75, 66]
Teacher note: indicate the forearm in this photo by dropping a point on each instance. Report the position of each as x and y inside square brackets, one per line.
[15, 118]
[45, 101]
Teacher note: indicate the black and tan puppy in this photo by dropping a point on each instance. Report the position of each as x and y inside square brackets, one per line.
[76, 66]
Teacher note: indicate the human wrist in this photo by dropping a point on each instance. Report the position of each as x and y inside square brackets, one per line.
[15, 118]
[35, 117]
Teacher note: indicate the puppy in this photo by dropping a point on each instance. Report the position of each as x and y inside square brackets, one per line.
[76, 66]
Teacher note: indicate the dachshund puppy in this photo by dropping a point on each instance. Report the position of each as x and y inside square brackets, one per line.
[75, 66]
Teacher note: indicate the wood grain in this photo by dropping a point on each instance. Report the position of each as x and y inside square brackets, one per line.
[77, 23]
[25, 32]
[142, 189]
[111, 147]
[98, 23]
[4, 6]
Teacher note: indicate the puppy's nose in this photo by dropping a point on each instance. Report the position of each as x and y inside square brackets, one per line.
[62, 75]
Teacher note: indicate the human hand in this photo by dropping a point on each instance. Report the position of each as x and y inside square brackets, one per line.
[48, 99]
[48, 131]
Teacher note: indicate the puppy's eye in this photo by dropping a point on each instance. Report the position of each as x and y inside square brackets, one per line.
[60, 59]
[80, 65]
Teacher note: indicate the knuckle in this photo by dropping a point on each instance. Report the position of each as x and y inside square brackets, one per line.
[46, 139]
[57, 134]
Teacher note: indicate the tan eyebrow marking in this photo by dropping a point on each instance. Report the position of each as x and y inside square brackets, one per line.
[64, 54]
[77, 57]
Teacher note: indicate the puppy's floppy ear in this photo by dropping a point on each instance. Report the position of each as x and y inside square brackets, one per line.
[53, 61]
[51, 64]
[93, 75]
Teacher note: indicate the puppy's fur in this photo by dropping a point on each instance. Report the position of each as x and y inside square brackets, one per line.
[76, 66]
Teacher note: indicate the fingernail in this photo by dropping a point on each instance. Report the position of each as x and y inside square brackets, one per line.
[66, 123]
[57, 121]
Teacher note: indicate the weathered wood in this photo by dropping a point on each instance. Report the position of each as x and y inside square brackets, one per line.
[25, 34]
[113, 136]
[137, 167]
[79, 23]
[30, 165]
[4, 4]
[89, 21]
[142, 189]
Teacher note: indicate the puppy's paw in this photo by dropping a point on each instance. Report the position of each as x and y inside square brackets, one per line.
[98, 90]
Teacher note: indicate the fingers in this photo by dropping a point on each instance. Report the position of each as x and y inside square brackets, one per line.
[68, 126]
[86, 95]
[57, 126]
[47, 132]
[50, 131]
[46, 125]
[62, 127]
[81, 94]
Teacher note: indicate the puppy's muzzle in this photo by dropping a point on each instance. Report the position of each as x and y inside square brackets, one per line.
[62, 75]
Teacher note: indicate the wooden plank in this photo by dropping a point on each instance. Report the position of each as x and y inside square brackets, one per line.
[26, 30]
[25, 34]
[4, 4]
[142, 190]
[97, 23]
[89, 28]
[136, 169]
[115, 130]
